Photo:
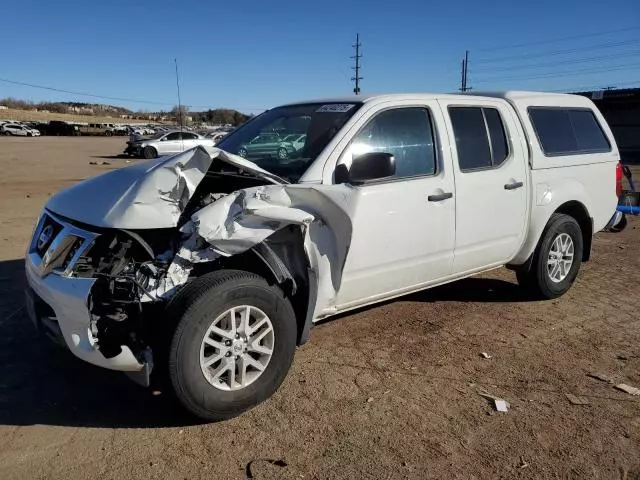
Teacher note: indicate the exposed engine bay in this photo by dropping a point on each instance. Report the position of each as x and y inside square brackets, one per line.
[159, 224]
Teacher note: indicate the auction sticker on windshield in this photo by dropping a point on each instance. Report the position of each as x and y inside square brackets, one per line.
[335, 108]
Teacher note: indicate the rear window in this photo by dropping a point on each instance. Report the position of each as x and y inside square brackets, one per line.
[568, 131]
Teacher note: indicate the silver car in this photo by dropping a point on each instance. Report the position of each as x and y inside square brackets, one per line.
[167, 143]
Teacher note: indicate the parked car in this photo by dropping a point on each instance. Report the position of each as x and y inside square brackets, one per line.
[166, 143]
[58, 128]
[100, 129]
[269, 144]
[18, 130]
[212, 268]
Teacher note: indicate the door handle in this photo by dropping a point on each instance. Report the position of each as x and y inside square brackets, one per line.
[513, 186]
[439, 197]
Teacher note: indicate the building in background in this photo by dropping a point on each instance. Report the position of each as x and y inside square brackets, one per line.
[621, 109]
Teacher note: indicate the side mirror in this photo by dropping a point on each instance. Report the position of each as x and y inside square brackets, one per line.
[367, 167]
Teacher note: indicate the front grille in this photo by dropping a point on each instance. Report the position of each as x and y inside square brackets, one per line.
[56, 245]
[47, 232]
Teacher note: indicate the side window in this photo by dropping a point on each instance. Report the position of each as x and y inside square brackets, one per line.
[499, 145]
[173, 136]
[406, 133]
[189, 136]
[481, 140]
[568, 131]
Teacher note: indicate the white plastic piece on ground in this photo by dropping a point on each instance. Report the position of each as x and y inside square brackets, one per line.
[628, 389]
[501, 405]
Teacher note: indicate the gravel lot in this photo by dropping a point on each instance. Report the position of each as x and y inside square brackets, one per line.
[386, 392]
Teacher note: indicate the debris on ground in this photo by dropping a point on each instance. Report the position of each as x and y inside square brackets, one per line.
[576, 399]
[247, 469]
[99, 163]
[523, 463]
[485, 355]
[601, 377]
[628, 389]
[370, 399]
[500, 404]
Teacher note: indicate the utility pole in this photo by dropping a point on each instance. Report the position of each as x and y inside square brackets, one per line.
[357, 58]
[464, 72]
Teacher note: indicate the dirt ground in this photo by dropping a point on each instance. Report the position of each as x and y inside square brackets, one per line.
[386, 392]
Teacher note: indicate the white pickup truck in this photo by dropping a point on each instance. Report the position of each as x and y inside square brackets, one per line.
[208, 269]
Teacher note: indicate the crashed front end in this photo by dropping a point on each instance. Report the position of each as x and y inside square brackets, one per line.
[108, 254]
[82, 292]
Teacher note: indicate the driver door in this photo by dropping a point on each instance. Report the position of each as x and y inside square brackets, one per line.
[170, 143]
[403, 227]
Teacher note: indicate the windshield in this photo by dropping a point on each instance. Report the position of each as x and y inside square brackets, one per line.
[286, 140]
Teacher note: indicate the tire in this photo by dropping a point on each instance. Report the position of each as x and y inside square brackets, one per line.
[108, 133]
[149, 153]
[283, 154]
[29, 135]
[242, 152]
[550, 276]
[199, 306]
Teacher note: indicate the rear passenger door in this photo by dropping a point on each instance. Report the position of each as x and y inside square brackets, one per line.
[492, 190]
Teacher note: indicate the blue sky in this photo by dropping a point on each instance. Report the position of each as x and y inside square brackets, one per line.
[252, 55]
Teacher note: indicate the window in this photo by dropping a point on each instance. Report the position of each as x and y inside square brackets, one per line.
[189, 136]
[481, 140]
[173, 136]
[319, 122]
[406, 133]
[568, 131]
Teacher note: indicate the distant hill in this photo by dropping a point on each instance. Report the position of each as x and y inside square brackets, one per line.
[219, 116]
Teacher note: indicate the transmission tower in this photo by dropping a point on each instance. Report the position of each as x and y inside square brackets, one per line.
[357, 58]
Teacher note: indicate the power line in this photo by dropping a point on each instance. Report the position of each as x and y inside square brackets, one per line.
[559, 52]
[562, 62]
[556, 40]
[596, 87]
[120, 99]
[572, 73]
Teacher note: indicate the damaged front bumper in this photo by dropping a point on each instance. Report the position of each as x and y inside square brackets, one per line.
[58, 303]
[133, 149]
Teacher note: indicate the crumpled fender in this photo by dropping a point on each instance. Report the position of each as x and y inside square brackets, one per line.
[239, 221]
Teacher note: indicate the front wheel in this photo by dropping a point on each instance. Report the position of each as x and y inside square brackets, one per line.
[242, 152]
[149, 153]
[556, 261]
[233, 345]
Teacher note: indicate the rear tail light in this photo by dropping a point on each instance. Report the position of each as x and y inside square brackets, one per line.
[619, 180]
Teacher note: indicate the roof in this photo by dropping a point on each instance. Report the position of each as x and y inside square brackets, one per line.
[509, 94]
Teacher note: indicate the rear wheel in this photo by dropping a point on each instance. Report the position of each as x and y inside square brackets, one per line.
[556, 261]
[233, 345]
[149, 152]
[108, 133]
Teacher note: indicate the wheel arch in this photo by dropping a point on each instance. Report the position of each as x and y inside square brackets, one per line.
[579, 212]
[573, 208]
[284, 264]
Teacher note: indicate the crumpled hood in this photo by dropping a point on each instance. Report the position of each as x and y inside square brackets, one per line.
[149, 194]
